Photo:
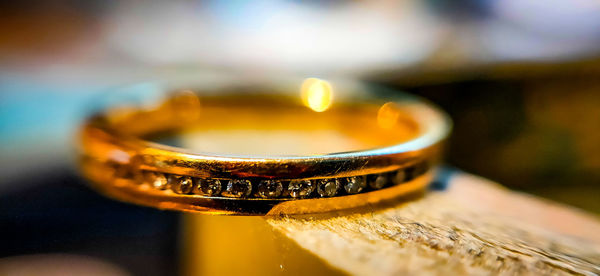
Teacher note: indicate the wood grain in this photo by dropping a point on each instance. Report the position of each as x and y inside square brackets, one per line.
[476, 227]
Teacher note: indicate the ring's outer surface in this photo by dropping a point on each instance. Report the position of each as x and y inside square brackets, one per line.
[130, 168]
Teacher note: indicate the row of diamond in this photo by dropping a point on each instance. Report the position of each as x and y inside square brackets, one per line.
[273, 189]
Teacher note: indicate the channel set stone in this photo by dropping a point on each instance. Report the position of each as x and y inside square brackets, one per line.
[182, 185]
[270, 189]
[355, 184]
[209, 187]
[300, 188]
[158, 180]
[172, 180]
[400, 177]
[379, 181]
[238, 188]
[328, 187]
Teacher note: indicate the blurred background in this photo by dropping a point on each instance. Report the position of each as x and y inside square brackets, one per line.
[520, 78]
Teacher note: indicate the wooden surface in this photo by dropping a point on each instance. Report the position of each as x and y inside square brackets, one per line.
[475, 227]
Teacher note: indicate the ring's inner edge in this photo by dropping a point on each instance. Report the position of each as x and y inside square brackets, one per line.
[266, 125]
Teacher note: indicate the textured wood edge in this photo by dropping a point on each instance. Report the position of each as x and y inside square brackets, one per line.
[475, 227]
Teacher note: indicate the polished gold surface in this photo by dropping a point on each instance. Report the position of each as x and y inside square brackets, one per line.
[276, 155]
[225, 245]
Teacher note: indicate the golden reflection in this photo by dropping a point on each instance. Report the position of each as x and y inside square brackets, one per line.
[317, 94]
[185, 105]
[118, 155]
[388, 115]
[214, 243]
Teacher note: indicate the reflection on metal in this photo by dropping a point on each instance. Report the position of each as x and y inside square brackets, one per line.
[388, 115]
[317, 94]
[122, 163]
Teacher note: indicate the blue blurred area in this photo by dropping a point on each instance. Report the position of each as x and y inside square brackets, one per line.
[34, 112]
[37, 115]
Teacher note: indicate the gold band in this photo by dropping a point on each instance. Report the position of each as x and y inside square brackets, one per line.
[400, 143]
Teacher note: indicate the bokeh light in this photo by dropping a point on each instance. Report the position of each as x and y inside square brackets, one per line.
[317, 94]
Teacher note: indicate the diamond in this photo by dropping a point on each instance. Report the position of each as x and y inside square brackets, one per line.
[355, 184]
[400, 177]
[269, 188]
[379, 181]
[209, 187]
[238, 188]
[158, 180]
[300, 188]
[328, 187]
[182, 185]
[172, 180]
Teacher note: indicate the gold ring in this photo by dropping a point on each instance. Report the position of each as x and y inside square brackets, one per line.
[315, 153]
